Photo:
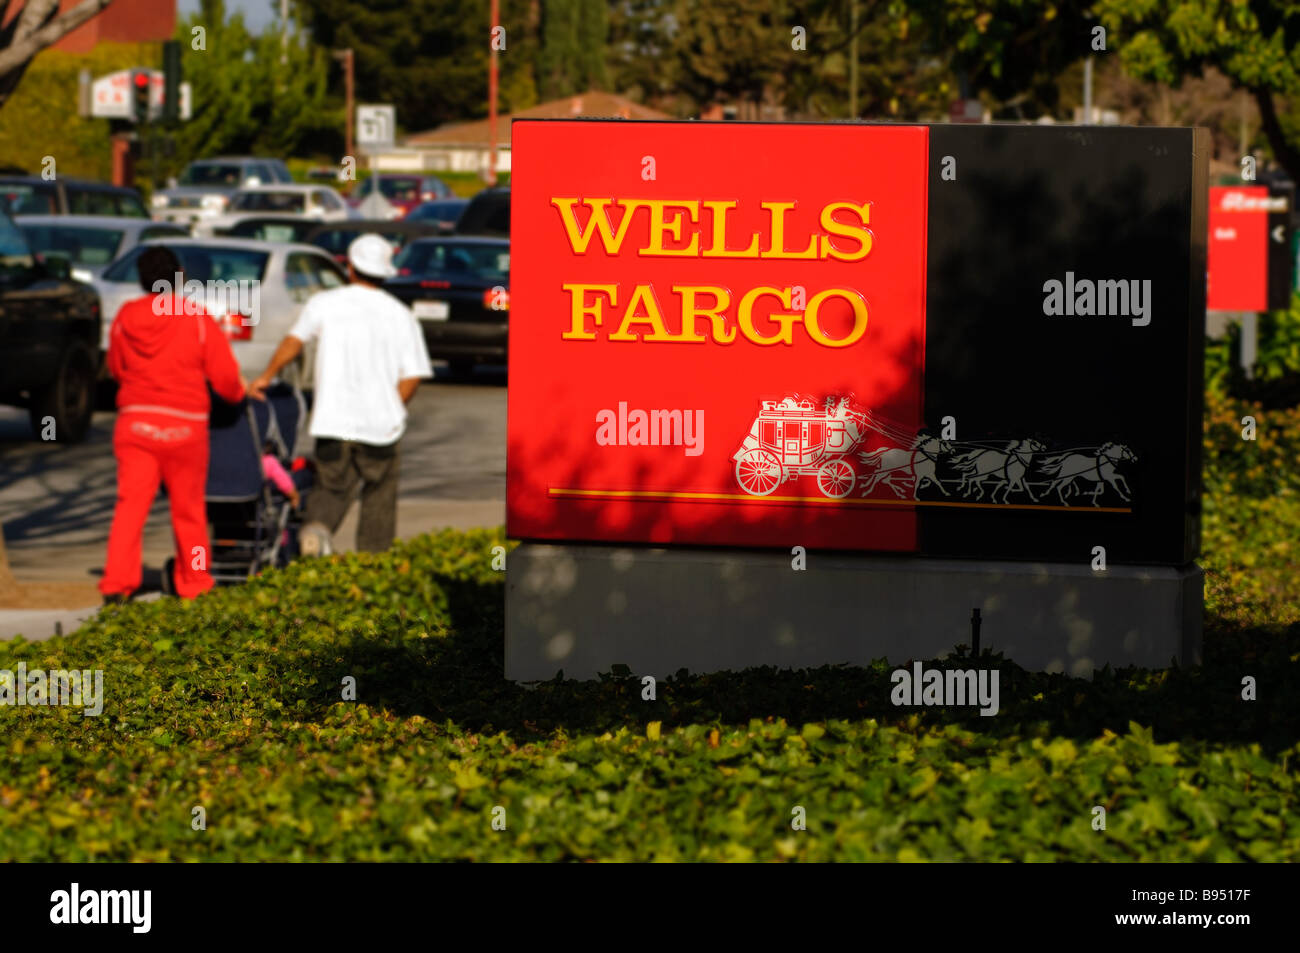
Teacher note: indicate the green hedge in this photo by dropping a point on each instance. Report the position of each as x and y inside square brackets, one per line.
[233, 703]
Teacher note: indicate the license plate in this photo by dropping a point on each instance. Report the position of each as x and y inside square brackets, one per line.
[432, 310]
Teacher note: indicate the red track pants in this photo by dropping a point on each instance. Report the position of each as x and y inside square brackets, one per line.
[153, 449]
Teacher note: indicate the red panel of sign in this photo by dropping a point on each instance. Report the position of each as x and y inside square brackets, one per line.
[1238, 249]
[717, 333]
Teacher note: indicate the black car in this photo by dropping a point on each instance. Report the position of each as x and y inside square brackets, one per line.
[33, 195]
[335, 237]
[444, 213]
[459, 289]
[488, 213]
[49, 339]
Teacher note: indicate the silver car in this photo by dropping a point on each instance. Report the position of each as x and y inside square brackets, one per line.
[205, 187]
[253, 289]
[317, 202]
[89, 243]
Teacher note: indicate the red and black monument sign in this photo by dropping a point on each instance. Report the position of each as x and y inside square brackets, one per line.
[972, 342]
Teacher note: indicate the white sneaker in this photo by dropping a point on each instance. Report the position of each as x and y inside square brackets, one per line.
[315, 539]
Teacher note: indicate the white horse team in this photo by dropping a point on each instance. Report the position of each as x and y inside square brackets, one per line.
[998, 468]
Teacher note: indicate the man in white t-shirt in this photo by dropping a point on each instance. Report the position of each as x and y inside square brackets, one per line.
[370, 357]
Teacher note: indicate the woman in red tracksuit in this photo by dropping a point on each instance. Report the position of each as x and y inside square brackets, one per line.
[163, 356]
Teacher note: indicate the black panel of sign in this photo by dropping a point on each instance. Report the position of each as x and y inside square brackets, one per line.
[1280, 263]
[1081, 427]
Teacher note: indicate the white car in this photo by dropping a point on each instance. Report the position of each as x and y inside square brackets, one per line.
[254, 290]
[316, 202]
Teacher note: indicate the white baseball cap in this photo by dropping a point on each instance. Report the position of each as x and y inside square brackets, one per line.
[372, 256]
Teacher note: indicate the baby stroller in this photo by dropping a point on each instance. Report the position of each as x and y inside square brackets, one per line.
[251, 524]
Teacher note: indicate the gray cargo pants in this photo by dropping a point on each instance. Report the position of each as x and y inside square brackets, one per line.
[340, 466]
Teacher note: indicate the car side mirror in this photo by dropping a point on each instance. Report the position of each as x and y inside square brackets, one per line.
[252, 181]
[171, 182]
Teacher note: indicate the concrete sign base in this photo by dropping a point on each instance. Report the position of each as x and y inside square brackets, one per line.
[581, 609]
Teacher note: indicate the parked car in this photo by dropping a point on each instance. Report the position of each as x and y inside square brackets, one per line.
[318, 202]
[270, 228]
[49, 329]
[287, 275]
[205, 187]
[488, 213]
[459, 290]
[444, 213]
[33, 195]
[335, 238]
[401, 192]
[90, 243]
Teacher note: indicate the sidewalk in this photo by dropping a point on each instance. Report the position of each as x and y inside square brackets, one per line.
[53, 563]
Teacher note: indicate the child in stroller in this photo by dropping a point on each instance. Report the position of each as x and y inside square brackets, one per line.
[253, 519]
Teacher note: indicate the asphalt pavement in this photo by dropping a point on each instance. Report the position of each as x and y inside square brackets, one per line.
[56, 502]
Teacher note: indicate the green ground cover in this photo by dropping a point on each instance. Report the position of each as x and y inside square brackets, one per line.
[233, 703]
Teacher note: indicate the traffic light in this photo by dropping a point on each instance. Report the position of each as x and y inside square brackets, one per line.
[171, 81]
[140, 79]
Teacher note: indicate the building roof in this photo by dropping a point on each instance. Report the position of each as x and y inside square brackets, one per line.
[592, 104]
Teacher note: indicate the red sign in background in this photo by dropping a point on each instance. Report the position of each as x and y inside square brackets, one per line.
[1237, 256]
[575, 468]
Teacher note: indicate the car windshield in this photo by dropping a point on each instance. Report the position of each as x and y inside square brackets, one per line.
[272, 231]
[83, 245]
[436, 212]
[400, 190]
[213, 173]
[201, 263]
[486, 261]
[289, 202]
[336, 240]
[23, 199]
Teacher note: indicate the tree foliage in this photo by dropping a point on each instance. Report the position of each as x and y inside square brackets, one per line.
[1255, 43]
[36, 25]
[245, 100]
[40, 118]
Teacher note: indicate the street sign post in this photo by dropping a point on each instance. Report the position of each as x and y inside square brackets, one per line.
[376, 127]
[1249, 259]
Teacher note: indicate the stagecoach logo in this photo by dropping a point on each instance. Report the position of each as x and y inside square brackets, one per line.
[798, 437]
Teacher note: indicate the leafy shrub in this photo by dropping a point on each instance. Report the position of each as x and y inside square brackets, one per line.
[233, 703]
[1276, 371]
[1251, 512]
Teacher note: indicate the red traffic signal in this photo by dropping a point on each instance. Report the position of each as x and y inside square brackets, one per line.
[140, 82]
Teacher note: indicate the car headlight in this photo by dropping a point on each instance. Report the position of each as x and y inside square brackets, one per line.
[216, 203]
[158, 201]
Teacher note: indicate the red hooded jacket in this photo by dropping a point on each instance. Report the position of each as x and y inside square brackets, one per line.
[163, 362]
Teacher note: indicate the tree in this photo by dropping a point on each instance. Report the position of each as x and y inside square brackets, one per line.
[638, 49]
[1256, 44]
[571, 59]
[1011, 50]
[37, 26]
[245, 99]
